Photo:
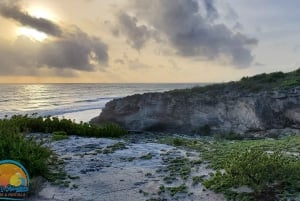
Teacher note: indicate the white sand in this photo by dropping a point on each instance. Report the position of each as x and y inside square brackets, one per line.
[84, 116]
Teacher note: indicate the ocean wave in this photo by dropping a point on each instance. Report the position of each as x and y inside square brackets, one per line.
[52, 112]
[95, 100]
[59, 99]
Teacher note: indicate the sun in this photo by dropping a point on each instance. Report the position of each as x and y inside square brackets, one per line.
[31, 33]
[38, 12]
[42, 12]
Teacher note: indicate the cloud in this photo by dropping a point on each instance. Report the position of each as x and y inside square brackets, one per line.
[120, 61]
[137, 65]
[137, 35]
[69, 49]
[14, 12]
[76, 50]
[212, 13]
[296, 48]
[190, 30]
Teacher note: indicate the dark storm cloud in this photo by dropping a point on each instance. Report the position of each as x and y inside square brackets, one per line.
[212, 12]
[137, 35]
[191, 32]
[76, 50]
[13, 58]
[14, 12]
[69, 49]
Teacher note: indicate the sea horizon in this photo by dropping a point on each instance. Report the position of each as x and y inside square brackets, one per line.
[54, 83]
[76, 101]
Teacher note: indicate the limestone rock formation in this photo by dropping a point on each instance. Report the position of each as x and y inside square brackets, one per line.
[256, 104]
[191, 113]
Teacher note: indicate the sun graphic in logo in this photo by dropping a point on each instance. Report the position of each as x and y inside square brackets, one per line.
[10, 174]
[17, 180]
[14, 180]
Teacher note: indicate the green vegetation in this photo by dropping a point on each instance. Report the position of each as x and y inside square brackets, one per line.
[147, 156]
[38, 159]
[270, 167]
[162, 189]
[112, 148]
[129, 159]
[267, 174]
[148, 174]
[59, 135]
[178, 166]
[73, 177]
[156, 199]
[177, 189]
[261, 82]
[198, 179]
[143, 192]
[173, 190]
[33, 123]
[32, 155]
[231, 136]
[273, 80]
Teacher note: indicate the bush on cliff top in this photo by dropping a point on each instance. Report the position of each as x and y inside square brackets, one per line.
[261, 82]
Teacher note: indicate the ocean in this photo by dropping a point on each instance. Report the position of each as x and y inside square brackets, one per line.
[79, 102]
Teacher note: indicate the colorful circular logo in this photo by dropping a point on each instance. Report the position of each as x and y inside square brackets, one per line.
[14, 180]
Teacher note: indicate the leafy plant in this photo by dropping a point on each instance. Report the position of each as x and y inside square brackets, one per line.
[273, 163]
[112, 148]
[59, 135]
[33, 123]
[37, 158]
[177, 189]
[267, 174]
[15, 146]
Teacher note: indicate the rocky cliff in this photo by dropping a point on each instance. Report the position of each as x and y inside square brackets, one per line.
[238, 107]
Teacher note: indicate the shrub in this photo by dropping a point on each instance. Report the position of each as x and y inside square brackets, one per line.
[32, 155]
[25, 123]
[267, 174]
[229, 136]
[261, 82]
[177, 189]
[178, 142]
[36, 158]
[59, 135]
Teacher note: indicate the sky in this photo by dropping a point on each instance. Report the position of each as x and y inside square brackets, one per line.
[142, 41]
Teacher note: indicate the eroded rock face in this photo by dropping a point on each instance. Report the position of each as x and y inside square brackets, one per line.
[224, 111]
